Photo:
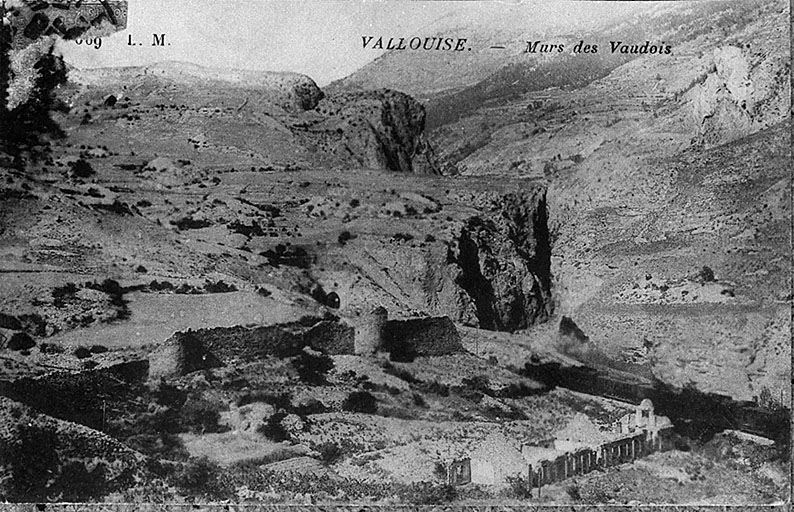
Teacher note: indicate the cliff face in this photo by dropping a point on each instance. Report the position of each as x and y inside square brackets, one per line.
[482, 259]
[742, 92]
[502, 263]
[381, 129]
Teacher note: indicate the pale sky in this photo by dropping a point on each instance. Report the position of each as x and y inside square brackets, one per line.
[319, 38]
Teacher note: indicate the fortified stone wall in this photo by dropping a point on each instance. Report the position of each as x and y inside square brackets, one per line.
[181, 354]
[331, 337]
[199, 349]
[370, 330]
[426, 336]
[249, 344]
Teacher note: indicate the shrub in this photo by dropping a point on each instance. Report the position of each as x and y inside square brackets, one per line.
[157, 286]
[169, 395]
[418, 400]
[200, 476]
[330, 452]
[10, 322]
[360, 401]
[478, 383]
[109, 286]
[51, 348]
[201, 416]
[82, 353]
[573, 492]
[81, 169]
[159, 445]
[312, 368]
[344, 237]
[518, 487]
[186, 289]
[434, 387]
[61, 292]
[706, 274]
[276, 455]
[98, 349]
[305, 408]
[273, 429]
[20, 341]
[219, 287]
[426, 493]
[402, 237]
[400, 373]
[33, 324]
[186, 223]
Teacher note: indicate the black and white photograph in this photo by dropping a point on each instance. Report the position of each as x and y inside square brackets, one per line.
[368, 255]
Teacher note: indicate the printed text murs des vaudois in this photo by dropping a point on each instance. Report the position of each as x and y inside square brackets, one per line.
[459, 45]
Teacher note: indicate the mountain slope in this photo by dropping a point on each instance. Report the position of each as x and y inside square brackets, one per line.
[656, 165]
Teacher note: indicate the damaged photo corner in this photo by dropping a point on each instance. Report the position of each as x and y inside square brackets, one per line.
[458, 254]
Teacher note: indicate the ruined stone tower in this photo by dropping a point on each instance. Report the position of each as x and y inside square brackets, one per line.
[369, 331]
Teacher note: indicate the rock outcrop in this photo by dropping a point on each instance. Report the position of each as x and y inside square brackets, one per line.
[742, 93]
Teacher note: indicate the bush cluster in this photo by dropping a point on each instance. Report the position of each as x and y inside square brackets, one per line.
[313, 368]
[360, 401]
